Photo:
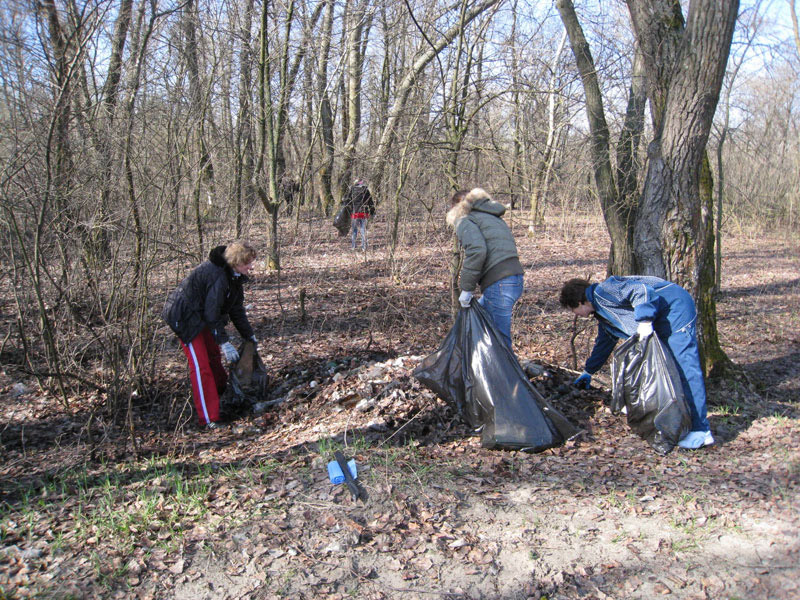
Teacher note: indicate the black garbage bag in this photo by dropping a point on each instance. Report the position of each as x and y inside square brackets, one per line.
[645, 379]
[248, 377]
[341, 221]
[475, 371]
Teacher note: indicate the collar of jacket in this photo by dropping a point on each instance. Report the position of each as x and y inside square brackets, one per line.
[590, 293]
[217, 257]
[463, 208]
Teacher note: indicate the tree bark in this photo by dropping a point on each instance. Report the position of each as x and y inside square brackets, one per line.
[685, 67]
[617, 203]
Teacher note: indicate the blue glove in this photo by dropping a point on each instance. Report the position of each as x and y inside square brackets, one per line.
[583, 381]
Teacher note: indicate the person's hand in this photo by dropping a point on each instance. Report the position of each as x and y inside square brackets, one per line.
[583, 381]
[253, 339]
[644, 329]
[231, 355]
[465, 298]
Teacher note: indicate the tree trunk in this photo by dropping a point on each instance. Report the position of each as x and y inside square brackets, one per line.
[325, 112]
[98, 243]
[671, 230]
[244, 132]
[198, 106]
[617, 205]
[620, 260]
[715, 361]
[359, 25]
[273, 118]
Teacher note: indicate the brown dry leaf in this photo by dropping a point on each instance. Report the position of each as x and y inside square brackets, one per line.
[660, 588]
[177, 567]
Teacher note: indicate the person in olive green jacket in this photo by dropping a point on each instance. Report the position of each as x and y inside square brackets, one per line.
[490, 256]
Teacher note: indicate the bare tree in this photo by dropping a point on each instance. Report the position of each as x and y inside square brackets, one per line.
[616, 190]
[245, 160]
[358, 22]
[750, 29]
[685, 65]
[198, 107]
[325, 110]
[273, 114]
[427, 52]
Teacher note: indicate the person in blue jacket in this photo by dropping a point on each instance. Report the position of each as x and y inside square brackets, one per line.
[624, 306]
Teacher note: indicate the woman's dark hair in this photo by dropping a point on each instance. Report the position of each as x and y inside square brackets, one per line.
[573, 292]
[458, 197]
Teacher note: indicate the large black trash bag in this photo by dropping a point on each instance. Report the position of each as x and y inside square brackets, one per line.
[248, 377]
[342, 219]
[474, 370]
[646, 380]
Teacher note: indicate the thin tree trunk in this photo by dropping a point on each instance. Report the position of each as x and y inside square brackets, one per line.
[406, 85]
[244, 132]
[98, 237]
[542, 177]
[325, 113]
[359, 25]
[617, 209]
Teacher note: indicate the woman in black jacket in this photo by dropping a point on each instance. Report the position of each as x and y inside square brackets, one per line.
[198, 310]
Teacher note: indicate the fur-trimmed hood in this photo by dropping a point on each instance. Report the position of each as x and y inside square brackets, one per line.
[477, 199]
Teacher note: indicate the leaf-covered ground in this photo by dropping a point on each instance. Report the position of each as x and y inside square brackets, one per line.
[249, 512]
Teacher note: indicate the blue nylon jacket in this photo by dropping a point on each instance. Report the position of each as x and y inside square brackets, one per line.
[620, 303]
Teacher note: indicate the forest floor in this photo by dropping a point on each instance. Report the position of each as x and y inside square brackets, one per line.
[248, 511]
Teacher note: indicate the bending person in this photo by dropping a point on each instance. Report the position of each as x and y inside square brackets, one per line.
[624, 306]
[198, 310]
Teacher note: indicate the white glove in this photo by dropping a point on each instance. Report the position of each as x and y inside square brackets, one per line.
[644, 329]
[465, 298]
[231, 355]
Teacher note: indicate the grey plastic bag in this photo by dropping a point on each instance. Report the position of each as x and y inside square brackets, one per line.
[341, 221]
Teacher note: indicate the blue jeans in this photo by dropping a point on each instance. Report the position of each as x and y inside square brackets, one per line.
[356, 226]
[498, 299]
[683, 346]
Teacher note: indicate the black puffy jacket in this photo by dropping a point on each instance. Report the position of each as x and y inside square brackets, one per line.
[358, 199]
[207, 297]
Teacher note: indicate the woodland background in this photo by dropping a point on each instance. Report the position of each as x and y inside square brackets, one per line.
[136, 135]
